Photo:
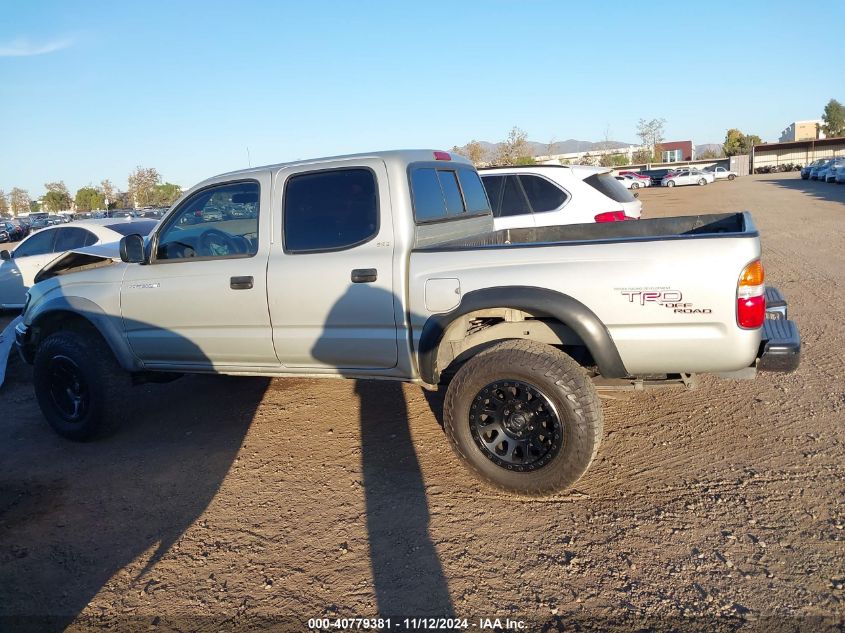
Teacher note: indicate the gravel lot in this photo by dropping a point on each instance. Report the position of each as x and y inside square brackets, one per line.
[233, 503]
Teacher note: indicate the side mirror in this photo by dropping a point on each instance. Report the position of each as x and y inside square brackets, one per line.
[132, 249]
[6, 255]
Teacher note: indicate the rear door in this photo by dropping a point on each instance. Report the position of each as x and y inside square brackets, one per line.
[511, 208]
[330, 272]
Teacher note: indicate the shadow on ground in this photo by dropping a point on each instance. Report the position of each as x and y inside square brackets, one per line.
[64, 534]
[820, 190]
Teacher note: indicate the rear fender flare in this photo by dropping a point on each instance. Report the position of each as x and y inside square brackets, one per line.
[564, 308]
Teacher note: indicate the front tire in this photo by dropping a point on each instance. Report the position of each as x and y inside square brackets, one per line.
[635, 185]
[78, 384]
[670, 183]
[702, 182]
[524, 417]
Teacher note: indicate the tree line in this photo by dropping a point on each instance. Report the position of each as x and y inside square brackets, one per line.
[145, 188]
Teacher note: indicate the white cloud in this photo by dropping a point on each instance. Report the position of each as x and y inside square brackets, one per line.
[24, 48]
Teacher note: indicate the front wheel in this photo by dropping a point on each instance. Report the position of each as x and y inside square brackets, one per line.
[78, 384]
[671, 183]
[635, 185]
[524, 417]
[702, 182]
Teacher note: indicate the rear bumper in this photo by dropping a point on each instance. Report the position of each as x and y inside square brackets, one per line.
[780, 345]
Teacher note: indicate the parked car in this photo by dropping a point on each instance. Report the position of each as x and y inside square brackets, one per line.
[629, 182]
[720, 173]
[392, 269]
[14, 231]
[830, 174]
[819, 172]
[19, 267]
[657, 175]
[687, 176]
[645, 181]
[4, 235]
[548, 195]
[805, 171]
[840, 175]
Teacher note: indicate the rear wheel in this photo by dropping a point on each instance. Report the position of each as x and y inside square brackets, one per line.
[731, 177]
[524, 416]
[78, 384]
[635, 185]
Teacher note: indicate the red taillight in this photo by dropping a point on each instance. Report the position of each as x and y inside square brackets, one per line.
[442, 156]
[611, 216]
[751, 296]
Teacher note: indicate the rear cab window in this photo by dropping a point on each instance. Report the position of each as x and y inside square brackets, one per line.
[446, 192]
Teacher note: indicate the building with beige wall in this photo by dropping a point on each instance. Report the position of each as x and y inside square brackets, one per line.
[802, 131]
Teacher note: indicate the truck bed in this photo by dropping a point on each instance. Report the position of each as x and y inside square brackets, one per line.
[658, 229]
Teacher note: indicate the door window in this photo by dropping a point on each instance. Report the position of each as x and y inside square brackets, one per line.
[217, 222]
[542, 194]
[39, 244]
[513, 199]
[493, 186]
[73, 237]
[330, 210]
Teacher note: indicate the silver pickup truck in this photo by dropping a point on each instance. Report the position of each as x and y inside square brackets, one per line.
[387, 266]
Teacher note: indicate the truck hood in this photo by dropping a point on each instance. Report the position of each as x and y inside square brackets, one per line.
[85, 258]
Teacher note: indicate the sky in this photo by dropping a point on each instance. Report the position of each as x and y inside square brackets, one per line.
[90, 90]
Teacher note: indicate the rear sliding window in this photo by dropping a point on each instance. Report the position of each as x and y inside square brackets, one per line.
[609, 186]
[446, 193]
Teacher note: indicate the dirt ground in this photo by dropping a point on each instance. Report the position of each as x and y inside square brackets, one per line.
[238, 504]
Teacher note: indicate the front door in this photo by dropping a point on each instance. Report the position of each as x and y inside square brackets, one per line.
[330, 280]
[202, 300]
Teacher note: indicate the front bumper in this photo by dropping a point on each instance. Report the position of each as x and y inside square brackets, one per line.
[780, 345]
[23, 342]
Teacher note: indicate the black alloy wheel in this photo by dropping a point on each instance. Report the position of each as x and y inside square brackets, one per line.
[515, 425]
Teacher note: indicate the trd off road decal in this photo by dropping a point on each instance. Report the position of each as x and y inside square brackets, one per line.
[670, 299]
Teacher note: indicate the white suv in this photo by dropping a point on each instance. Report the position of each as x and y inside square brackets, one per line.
[549, 195]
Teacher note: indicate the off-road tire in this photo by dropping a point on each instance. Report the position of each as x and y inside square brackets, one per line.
[105, 383]
[561, 381]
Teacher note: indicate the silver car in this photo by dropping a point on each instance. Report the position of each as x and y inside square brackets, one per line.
[720, 173]
[832, 168]
[686, 176]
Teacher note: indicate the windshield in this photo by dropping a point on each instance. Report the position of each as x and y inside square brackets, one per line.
[139, 227]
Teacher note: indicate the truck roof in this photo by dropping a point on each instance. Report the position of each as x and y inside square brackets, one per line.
[402, 156]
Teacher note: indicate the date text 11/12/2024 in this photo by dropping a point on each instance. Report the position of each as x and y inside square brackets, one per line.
[414, 624]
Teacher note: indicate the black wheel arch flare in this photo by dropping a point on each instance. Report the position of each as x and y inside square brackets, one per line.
[562, 307]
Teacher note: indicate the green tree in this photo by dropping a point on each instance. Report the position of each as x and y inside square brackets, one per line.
[614, 160]
[88, 199]
[738, 143]
[19, 201]
[4, 203]
[514, 148]
[57, 197]
[641, 157]
[109, 192]
[834, 119]
[166, 194]
[34, 206]
[709, 154]
[142, 186]
[472, 150]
